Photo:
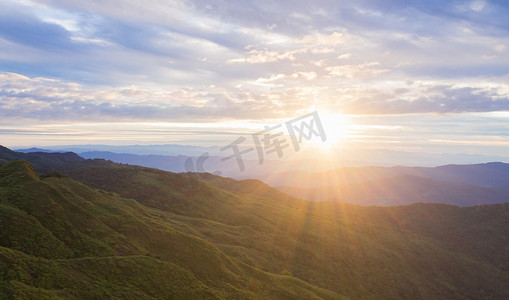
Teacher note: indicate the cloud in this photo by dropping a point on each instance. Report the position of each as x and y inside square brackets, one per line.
[38, 98]
[477, 5]
[426, 98]
[22, 97]
[270, 79]
[168, 41]
[332, 39]
[34, 33]
[266, 56]
[356, 71]
[500, 48]
[344, 56]
[249, 59]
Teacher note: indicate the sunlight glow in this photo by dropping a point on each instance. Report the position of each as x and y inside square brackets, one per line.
[336, 128]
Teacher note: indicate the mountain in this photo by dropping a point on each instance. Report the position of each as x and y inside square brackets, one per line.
[213, 164]
[118, 231]
[163, 162]
[61, 239]
[46, 163]
[166, 149]
[494, 174]
[452, 184]
[403, 190]
[343, 158]
[33, 149]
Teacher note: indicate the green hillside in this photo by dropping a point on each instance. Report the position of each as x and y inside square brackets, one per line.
[63, 239]
[237, 239]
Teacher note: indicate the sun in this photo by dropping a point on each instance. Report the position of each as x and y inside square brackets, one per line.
[335, 126]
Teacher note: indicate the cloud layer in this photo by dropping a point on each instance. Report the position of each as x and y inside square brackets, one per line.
[201, 61]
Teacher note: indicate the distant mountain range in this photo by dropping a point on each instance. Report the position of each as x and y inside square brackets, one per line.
[74, 228]
[167, 149]
[463, 185]
[342, 158]
[213, 164]
[452, 184]
[402, 190]
[494, 174]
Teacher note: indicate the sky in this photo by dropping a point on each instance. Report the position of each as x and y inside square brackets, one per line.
[419, 76]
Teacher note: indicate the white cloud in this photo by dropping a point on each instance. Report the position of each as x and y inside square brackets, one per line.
[477, 5]
[305, 75]
[344, 56]
[322, 50]
[356, 71]
[318, 63]
[270, 79]
[500, 48]
[332, 39]
[39, 98]
[266, 56]
[271, 27]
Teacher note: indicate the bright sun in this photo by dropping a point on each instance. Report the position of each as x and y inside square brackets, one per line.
[335, 127]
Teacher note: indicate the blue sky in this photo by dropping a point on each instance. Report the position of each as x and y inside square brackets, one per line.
[407, 75]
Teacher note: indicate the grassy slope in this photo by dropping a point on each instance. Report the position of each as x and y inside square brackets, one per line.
[358, 252]
[73, 241]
